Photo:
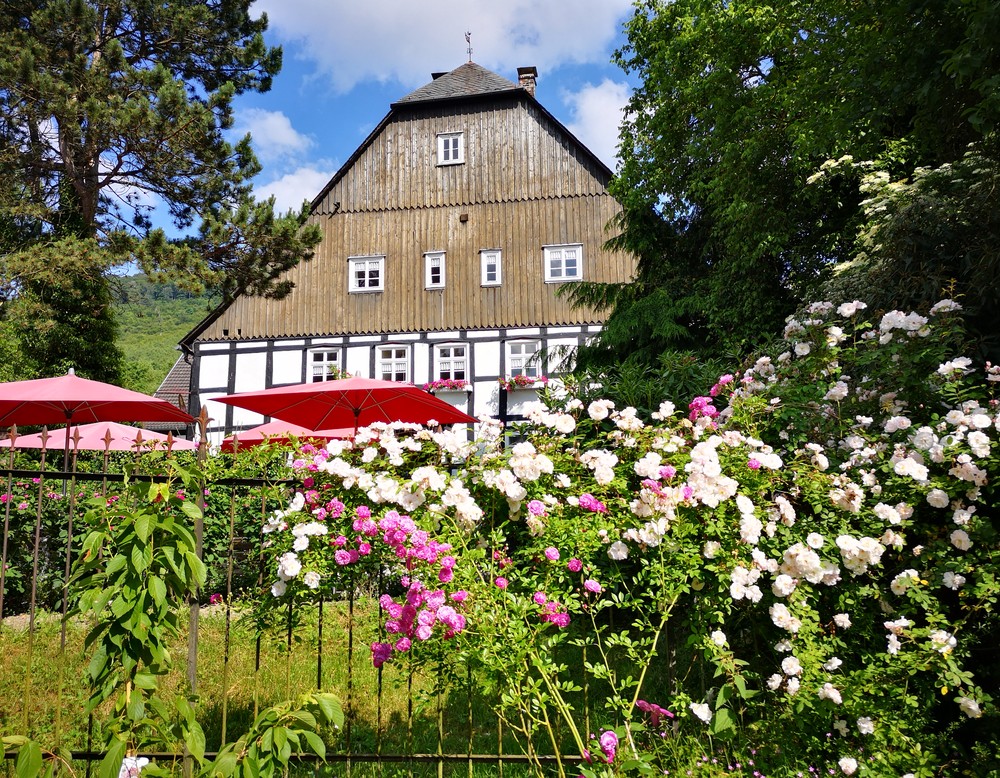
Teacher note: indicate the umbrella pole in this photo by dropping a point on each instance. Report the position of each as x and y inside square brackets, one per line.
[69, 416]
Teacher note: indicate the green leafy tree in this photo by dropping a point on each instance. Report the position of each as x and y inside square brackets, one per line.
[109, 109]
[739, 105]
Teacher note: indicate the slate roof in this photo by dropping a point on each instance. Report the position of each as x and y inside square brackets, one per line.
[467, 80]
[175, 389]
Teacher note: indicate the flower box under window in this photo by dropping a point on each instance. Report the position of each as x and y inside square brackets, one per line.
[448, 385]
[516, 382]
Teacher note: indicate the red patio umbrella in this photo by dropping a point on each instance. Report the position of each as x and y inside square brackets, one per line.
[69, 400]
[280, 432]
[94, 437]
[349, 402]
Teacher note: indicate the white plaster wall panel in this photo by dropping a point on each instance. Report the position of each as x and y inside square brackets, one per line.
[453, 335]
[484, 334]
[522, 332]
[487, 358]
[214, 370]
[251, 344]
[251, 370]
[558, 353]
[518, 399]
[286, 367]
[364, 339]
[280, 343]
[421, 363]
[357, 361]
[460, 400]
[563, 330]
[244, 418]
[203, 347]
[486, 395]
[216, 411]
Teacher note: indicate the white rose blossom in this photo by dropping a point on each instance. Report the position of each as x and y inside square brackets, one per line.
[702, 711]
[969, 707]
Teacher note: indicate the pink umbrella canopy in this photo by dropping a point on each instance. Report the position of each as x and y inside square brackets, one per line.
[280, 432]
[94, 437]
[70, 399]
[349, 402]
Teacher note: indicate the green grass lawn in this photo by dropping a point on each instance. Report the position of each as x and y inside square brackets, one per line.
[389, 712]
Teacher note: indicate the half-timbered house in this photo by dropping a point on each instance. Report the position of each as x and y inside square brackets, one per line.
[446, 238]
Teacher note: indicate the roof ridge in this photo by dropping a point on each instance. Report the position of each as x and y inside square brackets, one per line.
[467, 80]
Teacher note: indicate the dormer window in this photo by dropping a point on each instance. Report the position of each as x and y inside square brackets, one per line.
[451, 148]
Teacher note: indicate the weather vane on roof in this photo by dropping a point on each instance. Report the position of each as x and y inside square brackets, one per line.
[468, 39]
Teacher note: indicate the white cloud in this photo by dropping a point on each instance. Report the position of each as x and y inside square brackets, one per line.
[597, 114]
[291, 189]
[274, 138]
[350, 42]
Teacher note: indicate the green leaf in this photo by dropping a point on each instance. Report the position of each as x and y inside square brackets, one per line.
[329, 706]
[722, 720]
[144, 681]
[195, 740]
[224, 764]
[305, 717]
[112, 762]
[29, 760]
[191, 509]
[115, 564]
[316, 743]
[144, 526]
[157, 588]
[136, 709]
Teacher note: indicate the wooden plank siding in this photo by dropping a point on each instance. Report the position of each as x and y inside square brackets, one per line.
[524, 184]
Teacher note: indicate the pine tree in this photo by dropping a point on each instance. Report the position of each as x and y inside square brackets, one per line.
[109, 108]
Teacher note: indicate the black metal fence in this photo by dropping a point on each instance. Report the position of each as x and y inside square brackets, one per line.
[399, 719]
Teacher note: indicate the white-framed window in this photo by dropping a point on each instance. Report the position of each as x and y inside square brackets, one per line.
[451, 148]
[366, 274]
[563, 263]
[452, 361]
[324, 364]
[434, 270]
[393, 363]
[489, 262]
[523, 358]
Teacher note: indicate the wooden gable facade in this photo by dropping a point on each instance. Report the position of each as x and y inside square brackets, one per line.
[446, 237]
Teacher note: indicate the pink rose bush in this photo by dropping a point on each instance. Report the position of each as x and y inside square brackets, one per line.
[818, 525]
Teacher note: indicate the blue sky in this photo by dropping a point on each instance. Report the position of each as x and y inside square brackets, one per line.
[345, 61]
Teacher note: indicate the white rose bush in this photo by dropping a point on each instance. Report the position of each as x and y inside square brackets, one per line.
[795, 573]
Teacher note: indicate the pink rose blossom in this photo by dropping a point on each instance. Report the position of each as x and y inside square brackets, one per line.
[552, 553]
[590, 503]
[574, 565]
[592, 586]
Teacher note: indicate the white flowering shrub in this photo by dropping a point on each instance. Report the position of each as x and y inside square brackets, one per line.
[802, 564]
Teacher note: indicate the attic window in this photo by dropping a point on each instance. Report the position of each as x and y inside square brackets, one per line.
[563, 263]
[367, 274]
[434, 270]
[451, 148]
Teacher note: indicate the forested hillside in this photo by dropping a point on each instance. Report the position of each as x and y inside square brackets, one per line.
[152, 318]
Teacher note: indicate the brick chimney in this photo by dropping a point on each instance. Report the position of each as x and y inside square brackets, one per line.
[526, 78]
